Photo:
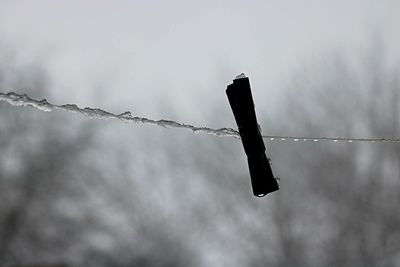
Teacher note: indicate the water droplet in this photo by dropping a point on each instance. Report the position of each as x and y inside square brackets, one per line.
[295, 139]
[126, 114]
[43, 101]
[315, 140]
[283, 139]
[335, 140]
[350, 141]
[272, 139]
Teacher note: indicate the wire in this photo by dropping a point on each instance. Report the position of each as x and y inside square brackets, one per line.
[96, 113]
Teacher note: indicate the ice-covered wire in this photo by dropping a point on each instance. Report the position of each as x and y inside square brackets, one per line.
[96, 113]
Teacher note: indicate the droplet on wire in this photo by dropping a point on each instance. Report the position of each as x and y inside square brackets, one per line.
[126, 114]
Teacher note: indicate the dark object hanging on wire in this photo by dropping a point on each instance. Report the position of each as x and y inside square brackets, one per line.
[241, 101]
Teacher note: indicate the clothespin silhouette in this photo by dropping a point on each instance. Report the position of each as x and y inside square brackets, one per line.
[241, 101]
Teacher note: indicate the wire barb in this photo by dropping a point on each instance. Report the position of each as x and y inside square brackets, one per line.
[96, 113]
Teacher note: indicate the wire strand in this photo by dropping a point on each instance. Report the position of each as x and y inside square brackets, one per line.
[96, 113]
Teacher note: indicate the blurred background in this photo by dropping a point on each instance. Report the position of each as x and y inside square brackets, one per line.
[81, 192]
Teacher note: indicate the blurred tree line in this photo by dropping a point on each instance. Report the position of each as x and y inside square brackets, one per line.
[75, 192]
[343, 211]
[55, 197]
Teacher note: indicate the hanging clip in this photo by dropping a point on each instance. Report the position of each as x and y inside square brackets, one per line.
[241, 101]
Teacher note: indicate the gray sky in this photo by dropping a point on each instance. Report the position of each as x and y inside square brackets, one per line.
[127, 54]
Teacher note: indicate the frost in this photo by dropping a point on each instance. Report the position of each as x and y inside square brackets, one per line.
[96, 113]
[23, 100]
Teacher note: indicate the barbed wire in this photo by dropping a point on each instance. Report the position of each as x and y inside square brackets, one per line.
[96, 113]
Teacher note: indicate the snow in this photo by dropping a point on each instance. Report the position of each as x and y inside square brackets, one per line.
[23, 100]
[96, 113]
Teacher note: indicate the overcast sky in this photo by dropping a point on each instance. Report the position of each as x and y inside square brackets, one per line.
[132, 52]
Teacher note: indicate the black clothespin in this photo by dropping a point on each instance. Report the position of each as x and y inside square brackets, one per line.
[241, 101]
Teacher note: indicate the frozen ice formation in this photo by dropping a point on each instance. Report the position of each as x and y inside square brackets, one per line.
[23, 100]
[96, 113]
[240, 76]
